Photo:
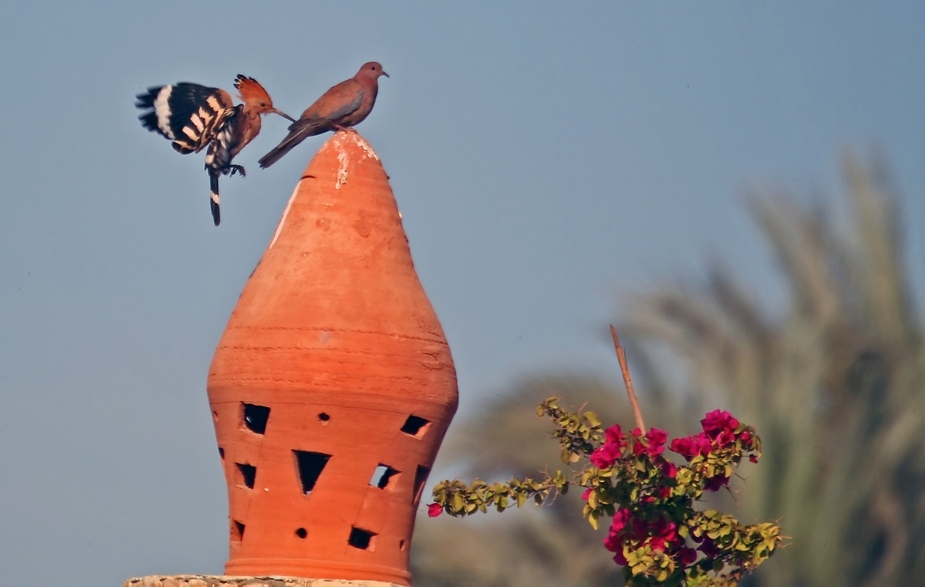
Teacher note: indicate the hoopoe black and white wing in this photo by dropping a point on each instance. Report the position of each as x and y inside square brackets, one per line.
[187, 114]
[194, 117]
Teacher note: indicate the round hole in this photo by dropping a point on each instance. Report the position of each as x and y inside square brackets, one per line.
[323, 417]
[301, 533]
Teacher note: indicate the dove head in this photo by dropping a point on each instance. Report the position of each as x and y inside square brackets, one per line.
[256, 97]
[371, 71]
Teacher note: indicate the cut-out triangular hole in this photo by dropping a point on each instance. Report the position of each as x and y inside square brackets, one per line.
[237, 531]
[415, 426]
[245, 475]
[309, 466]
[360, 538]
[383, 476]
[420, 477]
[255, 418]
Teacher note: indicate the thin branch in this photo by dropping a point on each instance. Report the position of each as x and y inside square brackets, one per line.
[627, 380]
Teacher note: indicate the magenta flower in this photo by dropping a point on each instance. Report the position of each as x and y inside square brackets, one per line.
[691, 446]
[720, 425]
[605, 456]
[614, 435]
[687, 556]
[652, 444]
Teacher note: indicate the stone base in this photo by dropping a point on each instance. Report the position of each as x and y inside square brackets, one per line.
[229, 581]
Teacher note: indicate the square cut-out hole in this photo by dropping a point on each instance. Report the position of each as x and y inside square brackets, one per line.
[383, 476]
[237, 531]
[255, 418]
[245, 474]
[415, 426]
[309, 466]
[420, 477]
[362, 539]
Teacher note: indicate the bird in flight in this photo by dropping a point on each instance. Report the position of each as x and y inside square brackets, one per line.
[195, 117]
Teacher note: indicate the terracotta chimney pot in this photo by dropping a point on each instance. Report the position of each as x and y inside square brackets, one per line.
[332, 385]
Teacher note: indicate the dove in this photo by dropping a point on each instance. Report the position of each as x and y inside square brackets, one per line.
[343, 106]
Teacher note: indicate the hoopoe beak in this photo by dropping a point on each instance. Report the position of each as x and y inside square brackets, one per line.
[283, 114]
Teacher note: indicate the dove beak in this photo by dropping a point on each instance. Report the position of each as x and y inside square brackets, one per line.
[384, 73]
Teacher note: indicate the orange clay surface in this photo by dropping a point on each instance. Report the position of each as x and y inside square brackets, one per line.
[332, 385]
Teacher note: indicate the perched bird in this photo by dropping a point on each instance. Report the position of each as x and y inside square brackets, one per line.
[195, 116]
[345, 105]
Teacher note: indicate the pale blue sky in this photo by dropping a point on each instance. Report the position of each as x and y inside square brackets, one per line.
[547, 159]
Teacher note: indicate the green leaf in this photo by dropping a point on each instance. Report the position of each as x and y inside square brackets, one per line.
[592, 499]
[457, 503]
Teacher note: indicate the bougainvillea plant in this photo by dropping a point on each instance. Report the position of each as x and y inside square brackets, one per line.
[656, 533]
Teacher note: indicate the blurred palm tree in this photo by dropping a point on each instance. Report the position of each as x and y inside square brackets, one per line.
[835, 386]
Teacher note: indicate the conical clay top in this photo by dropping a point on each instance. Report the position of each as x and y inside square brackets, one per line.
[339, 263]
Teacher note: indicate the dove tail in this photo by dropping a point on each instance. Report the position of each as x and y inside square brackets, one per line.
[292, 139]
[214, 201]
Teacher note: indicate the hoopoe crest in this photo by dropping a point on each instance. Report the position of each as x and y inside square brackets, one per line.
[196, 117]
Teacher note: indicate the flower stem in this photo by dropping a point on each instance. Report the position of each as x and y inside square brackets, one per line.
[627, 380]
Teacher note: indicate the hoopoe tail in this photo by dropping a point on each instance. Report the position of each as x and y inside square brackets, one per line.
[214, 201]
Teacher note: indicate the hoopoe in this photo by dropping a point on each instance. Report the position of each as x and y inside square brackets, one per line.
[195, 117]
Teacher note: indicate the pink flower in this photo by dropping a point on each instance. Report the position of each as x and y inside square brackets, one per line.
[689, 447]
[656, 440]
[720, 425]
[652, 444]
[616, 535]
[668, 469]
[619, 558]
[687, 556]
[434, 509]
[708, 547]
[614, 435]
[620, 519]
[657, 543]
[605, 456]
[715, 482]
[587, 492]
[665, 530]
